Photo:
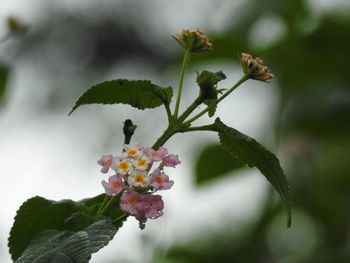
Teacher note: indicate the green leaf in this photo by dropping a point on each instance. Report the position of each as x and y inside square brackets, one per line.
[214, 163]
[38, 214]
[211, 103]
[100, 233]
[34, 216]
[207, 82]
[141, 94]
[63, 246]
[57, 247]
[254, 154]
[3, 81]
[209, 79]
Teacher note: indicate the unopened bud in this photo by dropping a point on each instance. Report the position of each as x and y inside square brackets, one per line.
[254, 68]
[15, 25]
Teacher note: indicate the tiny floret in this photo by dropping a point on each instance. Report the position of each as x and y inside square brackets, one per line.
[138, 178]
[132, 151]
[156, 155]
[254, 68]
[122, 166]
[171, 160]
[105, 162]
[114, 185]
[160, 180]
[142, 163]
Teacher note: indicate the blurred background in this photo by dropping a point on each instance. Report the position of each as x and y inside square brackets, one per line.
[222, 213]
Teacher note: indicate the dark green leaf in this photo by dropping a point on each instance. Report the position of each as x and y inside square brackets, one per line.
[3, 81]
[38, 214]
[214, 163]
[34, 216]
[62, 246]
[57, 247]
[209, 79]
[100, 233]
[254, 154]
[211, 103]
[207, 82]
[141, 94]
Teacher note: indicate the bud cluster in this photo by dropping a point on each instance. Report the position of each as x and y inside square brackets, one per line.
[135, 181]
[195, 40]
[254, 68]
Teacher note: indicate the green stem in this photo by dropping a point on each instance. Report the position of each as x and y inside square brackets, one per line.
[185, 61]
[172, 129]
[110, 202]
[120, 218]
[168, 112]
[210, 127]
[102, 205]
[243, 79]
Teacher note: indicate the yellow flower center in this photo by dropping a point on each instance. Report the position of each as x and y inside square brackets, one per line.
[123, 166]
[139, 179]
[116, 185]
[132, 152]
[141, 162]
[159, 180]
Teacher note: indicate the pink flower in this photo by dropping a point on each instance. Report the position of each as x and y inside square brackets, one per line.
[160, 180]
[171, 160]
[153, 206]
[131, 202]
[105, 162]
[156, 155]
[114, 186]
[141, 206]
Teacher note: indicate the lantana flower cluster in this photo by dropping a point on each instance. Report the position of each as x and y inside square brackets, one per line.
[136, 182]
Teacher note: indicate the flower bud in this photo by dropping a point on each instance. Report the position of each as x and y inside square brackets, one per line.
[15, 25]
[195, 41]
[254, 68]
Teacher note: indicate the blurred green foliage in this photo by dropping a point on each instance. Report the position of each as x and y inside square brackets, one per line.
[211, 154]
[312, 127]
[3, 81]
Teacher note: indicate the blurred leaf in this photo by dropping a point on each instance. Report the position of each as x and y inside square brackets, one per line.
[211, 103]
[38, 214]
[3, 81]
[141, 94]
[62, 246]
[207, 82]
[332, 120]
[214, 163]
[254, 154]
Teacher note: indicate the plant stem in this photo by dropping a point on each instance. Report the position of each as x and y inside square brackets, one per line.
[168, 112]
[210, 127]
[105, 200]
[111, 200]
[172, 129]
[185, 61]
[243, 79]
[120, 218]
